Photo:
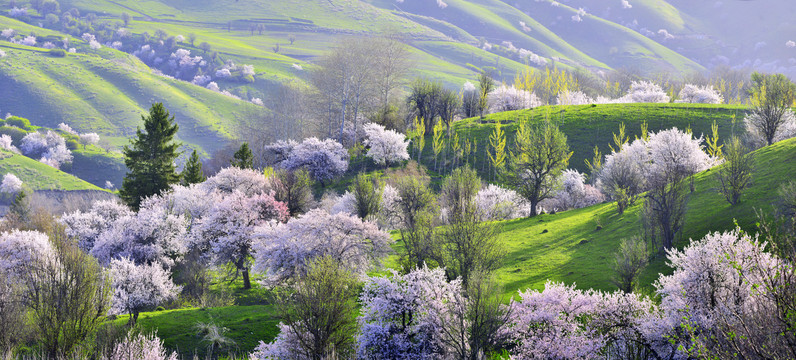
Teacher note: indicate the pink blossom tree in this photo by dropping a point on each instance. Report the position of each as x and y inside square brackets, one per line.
[722, 298]
[226, 232]
[562, 322]
[402, 315]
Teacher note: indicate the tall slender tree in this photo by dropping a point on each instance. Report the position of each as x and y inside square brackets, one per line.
[150, 157]
[192, 173]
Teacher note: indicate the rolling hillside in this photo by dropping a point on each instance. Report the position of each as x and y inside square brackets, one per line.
[107, 92]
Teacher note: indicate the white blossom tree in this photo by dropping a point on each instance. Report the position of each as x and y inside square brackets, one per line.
[50, 147]
[385, 146]
[6, 143]
[696, 94]
[573, 98]
[89, 139]
[21, 249]
[574, 193]
[138, 346]
[323, 159]
[153, 235]
[86, 227]
[282, 251]
[645, 92]
[508, 98]
[11, 184]
[139, 287]
[497, 203]
[247, 181]
[623, 174]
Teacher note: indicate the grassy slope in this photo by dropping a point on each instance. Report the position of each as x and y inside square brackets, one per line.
[574, 251]
[247, 326]
[38, 176]
[587, 126]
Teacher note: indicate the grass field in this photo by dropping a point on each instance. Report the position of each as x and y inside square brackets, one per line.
[246, 325]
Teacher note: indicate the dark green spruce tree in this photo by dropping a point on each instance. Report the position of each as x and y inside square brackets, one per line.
[150, 158]
[192, 173]
[243, 158]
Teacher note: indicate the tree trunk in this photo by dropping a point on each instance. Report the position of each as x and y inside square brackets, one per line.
[246, 282]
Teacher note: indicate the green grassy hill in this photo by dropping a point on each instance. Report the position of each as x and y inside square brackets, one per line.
[38, 176]
[568, 246]
[587, 126]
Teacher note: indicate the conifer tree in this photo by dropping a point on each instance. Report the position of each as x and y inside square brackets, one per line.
[150, 157]
[243, 158]
[192, 173]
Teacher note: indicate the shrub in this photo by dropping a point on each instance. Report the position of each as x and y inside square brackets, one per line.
[14, 132]
[57, 52]
[19, 122]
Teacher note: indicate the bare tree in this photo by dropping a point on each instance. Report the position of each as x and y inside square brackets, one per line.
[631, 259]
[321, 312]
[772, 97]
[736, 173]
[393, 63]
[68, 296]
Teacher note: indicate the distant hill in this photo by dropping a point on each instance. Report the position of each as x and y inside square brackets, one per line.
[107, 91]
